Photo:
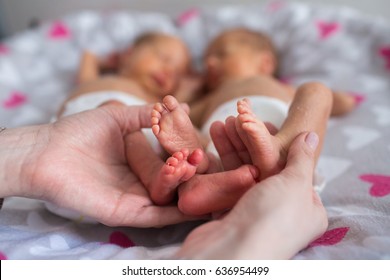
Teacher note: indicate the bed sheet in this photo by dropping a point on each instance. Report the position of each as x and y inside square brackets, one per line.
[338, 46]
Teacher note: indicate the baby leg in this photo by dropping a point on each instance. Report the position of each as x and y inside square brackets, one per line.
[174, 130]
[309, 111]
[159, 178]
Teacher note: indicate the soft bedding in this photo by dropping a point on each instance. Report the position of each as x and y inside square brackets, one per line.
[340, 47]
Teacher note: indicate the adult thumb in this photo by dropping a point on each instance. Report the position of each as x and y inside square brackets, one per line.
[130, 118]
[301, 154]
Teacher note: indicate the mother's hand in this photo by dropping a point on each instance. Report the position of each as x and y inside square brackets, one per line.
[275, 219]
[79, 162]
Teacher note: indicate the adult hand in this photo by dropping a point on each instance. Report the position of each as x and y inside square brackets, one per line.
[79, 162]
[275, 219]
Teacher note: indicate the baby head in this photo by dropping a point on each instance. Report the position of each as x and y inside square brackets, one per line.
[156, 62]
[237, 54]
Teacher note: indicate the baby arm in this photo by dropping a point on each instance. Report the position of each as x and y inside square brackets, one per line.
[88, 68]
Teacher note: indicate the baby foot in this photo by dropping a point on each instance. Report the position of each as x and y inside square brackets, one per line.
[174, 130]
[265, 150]
[344, 103]
[207, 193]
[173, 127]
[178, 168]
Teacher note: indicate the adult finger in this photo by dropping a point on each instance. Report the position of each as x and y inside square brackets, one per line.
[157, 216]
[130, 118]
[135, 213]
[301, 155]
[235, 139]
[300, 165]
[227, 153]
[301, 160]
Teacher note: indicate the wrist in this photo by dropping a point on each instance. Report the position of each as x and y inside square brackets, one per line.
[264, 240]
[261, 237]
[20, 149]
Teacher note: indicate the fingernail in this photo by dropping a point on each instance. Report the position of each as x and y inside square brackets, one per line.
[312, 140]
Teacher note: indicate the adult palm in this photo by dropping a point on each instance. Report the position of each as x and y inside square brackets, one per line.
[81, 165]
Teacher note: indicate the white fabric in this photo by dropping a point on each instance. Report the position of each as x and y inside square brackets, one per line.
[95, 99]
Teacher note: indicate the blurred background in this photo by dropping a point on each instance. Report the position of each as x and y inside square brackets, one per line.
[17, 15]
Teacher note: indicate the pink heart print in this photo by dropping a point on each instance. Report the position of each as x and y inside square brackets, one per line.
[15, 99]
[275, 6]
[3, 256]
[330, 237]
[3, 49]
[286, 80]
[59, 31]
[359, 98]
[380, 184]
[120, 239]
[186, 16]
[326, 29]
[385, 53]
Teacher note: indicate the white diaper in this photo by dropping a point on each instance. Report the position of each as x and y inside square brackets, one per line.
[94, 100]
[267, 109]
[88, 102]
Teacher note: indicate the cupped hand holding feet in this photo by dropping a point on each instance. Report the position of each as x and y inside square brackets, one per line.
[275, 219]
[79, 162]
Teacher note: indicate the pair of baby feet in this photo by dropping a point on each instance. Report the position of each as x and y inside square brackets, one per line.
[175, 132]
[173, 128]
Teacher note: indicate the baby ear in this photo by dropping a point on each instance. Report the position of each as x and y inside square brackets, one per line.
[267, 63]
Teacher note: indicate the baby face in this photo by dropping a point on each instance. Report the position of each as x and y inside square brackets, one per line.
[228, 58]
[159, 65]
